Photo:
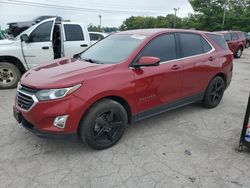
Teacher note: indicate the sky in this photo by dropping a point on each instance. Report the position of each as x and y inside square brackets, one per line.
[113, 12]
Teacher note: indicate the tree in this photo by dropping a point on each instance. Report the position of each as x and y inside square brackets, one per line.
[208, 16]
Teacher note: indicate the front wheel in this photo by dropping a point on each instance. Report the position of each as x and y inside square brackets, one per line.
[104, 124]
[9, 75]
[214, 92]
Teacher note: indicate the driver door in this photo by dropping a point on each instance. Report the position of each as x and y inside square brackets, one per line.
[158, 86]
[39, 48]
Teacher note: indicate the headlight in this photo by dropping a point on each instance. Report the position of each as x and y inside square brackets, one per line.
[50, 94]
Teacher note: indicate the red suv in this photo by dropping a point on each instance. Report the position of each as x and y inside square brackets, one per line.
[236, 41]
[124, 78]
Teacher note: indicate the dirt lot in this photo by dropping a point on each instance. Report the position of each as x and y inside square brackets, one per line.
[188, 147]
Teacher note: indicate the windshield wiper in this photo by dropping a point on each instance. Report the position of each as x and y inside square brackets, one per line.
[92, 61]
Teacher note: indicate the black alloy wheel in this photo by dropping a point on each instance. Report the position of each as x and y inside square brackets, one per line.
[107, 126]
[103, 124]
[214, 92]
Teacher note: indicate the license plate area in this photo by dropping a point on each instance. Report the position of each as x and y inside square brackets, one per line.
[17, 115]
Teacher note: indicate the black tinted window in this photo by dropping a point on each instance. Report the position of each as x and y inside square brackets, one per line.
[95, 36]
[219, 40]
[73, 32]
[235, 36]
[191, 44]
[163, 47]
[228, 37]
[42, 32]
[205, 45]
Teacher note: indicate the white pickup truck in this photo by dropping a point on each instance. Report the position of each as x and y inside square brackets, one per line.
[40, 43]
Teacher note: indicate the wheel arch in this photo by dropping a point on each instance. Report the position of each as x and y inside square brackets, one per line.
[116, 98]
[222, 75]
[13, 60]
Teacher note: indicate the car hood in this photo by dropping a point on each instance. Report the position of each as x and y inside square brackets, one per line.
[6, 42]
[64, 72]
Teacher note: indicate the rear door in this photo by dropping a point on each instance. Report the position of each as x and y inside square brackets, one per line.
[158, 85]
[75, 38]
[234, 43]
[197, 56]
[39, 49]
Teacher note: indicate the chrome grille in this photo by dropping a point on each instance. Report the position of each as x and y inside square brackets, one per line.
[24, 97]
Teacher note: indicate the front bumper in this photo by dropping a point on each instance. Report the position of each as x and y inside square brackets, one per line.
[39, 119]
[27, 125]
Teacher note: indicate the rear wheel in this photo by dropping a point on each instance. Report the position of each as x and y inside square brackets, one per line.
[104, 124]
[238, 53]
[247, 44]
[9, 75]
[214, 92]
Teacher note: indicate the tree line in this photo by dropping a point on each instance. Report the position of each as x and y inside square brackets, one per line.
[208, 15]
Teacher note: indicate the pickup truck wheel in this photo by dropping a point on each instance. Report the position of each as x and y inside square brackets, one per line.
[104, 124]
[238, 53]
[214, 92]
[9, 75]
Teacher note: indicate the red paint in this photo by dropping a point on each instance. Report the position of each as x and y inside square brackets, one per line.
[142, 88]
[235, 44]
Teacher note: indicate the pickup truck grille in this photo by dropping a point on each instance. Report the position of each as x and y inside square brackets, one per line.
[24, 97]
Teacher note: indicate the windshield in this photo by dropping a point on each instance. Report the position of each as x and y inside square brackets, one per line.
[113, 49]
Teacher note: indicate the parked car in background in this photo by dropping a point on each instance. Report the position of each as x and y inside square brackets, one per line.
[40, 43]
[247, 35]
[124, 78]
[236, 41]
[96, 36]
[15, 28]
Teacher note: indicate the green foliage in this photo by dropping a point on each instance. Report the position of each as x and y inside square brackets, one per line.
[104, 29]
[208, 16]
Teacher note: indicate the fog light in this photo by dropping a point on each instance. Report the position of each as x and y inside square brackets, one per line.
[60, 121]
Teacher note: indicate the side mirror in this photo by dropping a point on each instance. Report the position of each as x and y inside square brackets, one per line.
[147, 61]
[24, 37]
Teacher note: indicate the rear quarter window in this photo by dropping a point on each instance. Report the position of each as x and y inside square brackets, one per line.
[193, 44]
[219, 40]
[235, 36]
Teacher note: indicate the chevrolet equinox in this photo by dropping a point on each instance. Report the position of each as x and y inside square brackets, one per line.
[124, 78]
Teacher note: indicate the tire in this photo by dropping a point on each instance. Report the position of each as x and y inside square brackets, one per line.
[214, 92]
[9, 75]
[104, 124]
[238, 53]
[247, 44]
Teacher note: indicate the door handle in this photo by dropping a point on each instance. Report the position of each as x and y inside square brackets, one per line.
[175, 67]
[211, 58]
[84, 45]
[45, 47]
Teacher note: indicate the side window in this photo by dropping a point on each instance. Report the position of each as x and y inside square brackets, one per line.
[42, 32]
[100, 37]
[219, 40]
[92, 36]
[206, 47]
[163, 47]
[228, 37]
[235, 36]
[191, 44]
[73, 32]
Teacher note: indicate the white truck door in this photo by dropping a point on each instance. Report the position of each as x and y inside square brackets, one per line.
[76, 38]
[39, 48]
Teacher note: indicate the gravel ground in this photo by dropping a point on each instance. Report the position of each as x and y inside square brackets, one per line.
[187, 147]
